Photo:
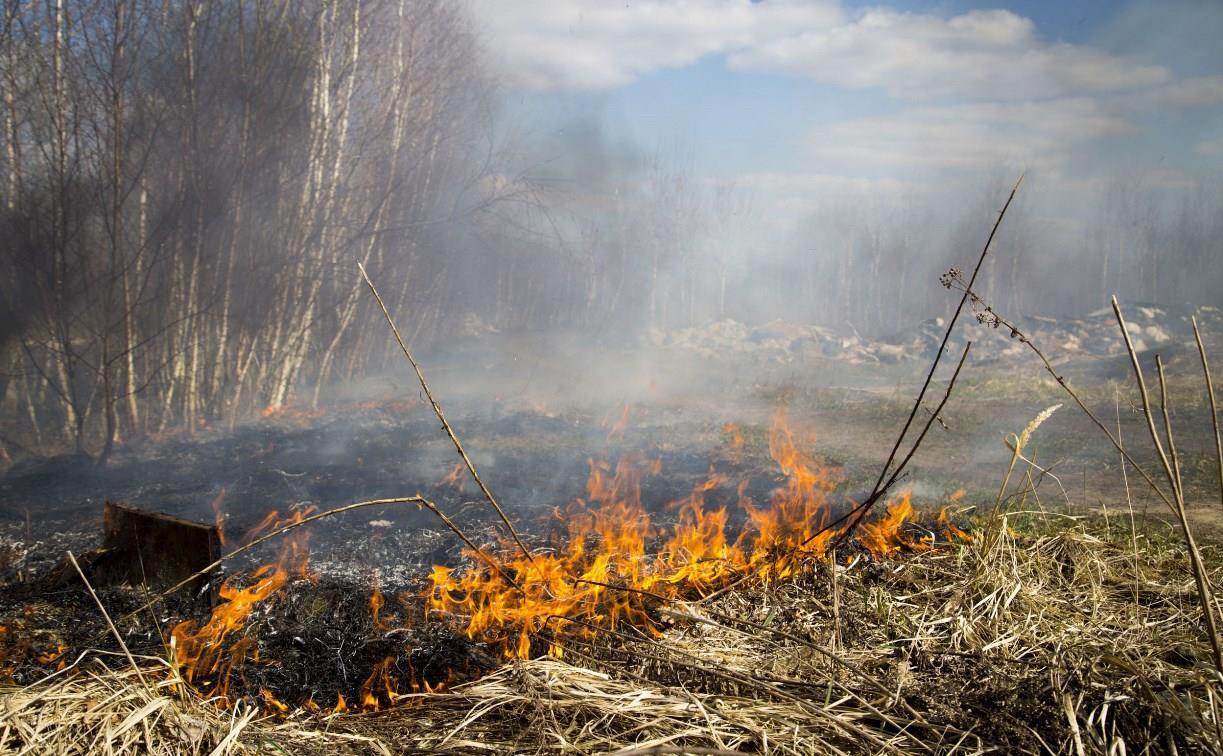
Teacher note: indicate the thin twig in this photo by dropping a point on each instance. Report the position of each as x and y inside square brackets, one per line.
[106, 616]
[1061, 381]
[437, 410]
[946, 337]
[1146, 403]
[1163, 405]
[855, 514]
[879, 487]
[1129, 503]
[875, 496]
[1214, 411]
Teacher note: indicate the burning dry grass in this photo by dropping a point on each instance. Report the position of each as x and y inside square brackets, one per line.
[1055, 639]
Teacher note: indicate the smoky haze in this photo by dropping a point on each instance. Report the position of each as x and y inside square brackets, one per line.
[187, 188]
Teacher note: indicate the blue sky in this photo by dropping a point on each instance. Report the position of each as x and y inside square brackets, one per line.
[801, 100]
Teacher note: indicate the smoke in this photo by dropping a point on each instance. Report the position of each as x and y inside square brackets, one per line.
[585, 181]
[844, 212]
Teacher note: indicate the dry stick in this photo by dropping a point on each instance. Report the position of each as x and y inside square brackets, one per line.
[905, 462]
[114, 630]
[1200, 576]
[943, 345]
[1163, 404]
[859, 510]
[880, 488]
[1210, 391]
[1208, 603]
[1146, 406]
[1129, 503]
[1061, 381]
[437, 410]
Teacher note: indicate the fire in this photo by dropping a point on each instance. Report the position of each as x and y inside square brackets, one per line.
[603, 574]
[289, 411]
[886, 537]
[376, 602]
[379, 686]
[219, 515]
[609, 566]
[50, 656]
[273, 702]
[950, 531]
[734, 436]
[215, 650]
[454, 479]
[617, 430]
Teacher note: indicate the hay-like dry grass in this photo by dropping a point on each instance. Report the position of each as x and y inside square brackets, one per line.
[1052, 639]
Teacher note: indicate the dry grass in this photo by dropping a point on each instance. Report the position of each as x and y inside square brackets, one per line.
[1051, 640]
[101, 705]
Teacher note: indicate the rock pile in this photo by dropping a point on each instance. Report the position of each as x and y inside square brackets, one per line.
[1094, 335]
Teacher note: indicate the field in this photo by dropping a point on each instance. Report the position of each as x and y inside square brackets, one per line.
[1059, 615]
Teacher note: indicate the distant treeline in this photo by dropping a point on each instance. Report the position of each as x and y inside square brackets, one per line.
[186, 188]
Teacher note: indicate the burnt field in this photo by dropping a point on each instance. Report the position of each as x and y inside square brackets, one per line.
[685, 551]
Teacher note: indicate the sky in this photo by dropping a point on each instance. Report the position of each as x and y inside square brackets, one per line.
[798, 101]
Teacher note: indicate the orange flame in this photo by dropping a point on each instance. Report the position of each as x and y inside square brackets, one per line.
[376, 602]
[273, 702]
[611, 567]
[218, 515]
[950, 531]
[886, 538]
[213, 651]
[603, 576]
[454, 478]
[734, 436]
[617, 430]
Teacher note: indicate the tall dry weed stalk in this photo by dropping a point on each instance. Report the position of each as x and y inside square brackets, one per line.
[1167, 454]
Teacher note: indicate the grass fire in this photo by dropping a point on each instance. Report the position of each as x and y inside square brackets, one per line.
[716, 377]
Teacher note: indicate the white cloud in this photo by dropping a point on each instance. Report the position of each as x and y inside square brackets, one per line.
[1038, 135]
[1201, 92]
[596, 44]
[992, 54]
[1210, 147]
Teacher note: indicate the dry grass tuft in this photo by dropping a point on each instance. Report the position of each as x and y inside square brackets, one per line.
[101, 705]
